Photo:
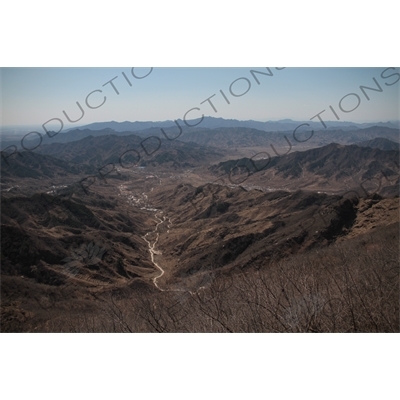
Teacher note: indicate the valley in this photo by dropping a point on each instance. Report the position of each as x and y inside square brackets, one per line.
[220, 232]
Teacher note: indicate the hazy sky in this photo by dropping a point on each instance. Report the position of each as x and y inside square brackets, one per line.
[33, 96]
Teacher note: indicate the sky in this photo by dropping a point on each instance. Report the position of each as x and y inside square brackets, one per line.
[33, 96]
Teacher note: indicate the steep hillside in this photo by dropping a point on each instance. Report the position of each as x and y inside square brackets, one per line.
[381, 144]
[334, 168]
[28, 164]
[102, 150]
[219, 228]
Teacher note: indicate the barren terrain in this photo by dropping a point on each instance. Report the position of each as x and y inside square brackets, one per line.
[200, 237]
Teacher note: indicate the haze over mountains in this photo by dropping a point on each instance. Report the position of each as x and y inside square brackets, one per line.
[213, 123]
[218, 132]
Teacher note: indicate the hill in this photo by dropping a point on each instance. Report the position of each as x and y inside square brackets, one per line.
[242, 137]
[27, 164]
[380, 143]
[334, 168]
[102, 150]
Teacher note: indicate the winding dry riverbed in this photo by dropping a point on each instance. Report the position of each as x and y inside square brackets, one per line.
[151, 238]
[152, 245]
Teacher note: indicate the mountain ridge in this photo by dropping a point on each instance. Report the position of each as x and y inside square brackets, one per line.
[212, 123]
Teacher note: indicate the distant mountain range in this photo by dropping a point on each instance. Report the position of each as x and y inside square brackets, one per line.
[213, 123]
[221, 132]
[335, 162]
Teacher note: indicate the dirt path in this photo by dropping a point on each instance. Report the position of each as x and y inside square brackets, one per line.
[152, 246]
